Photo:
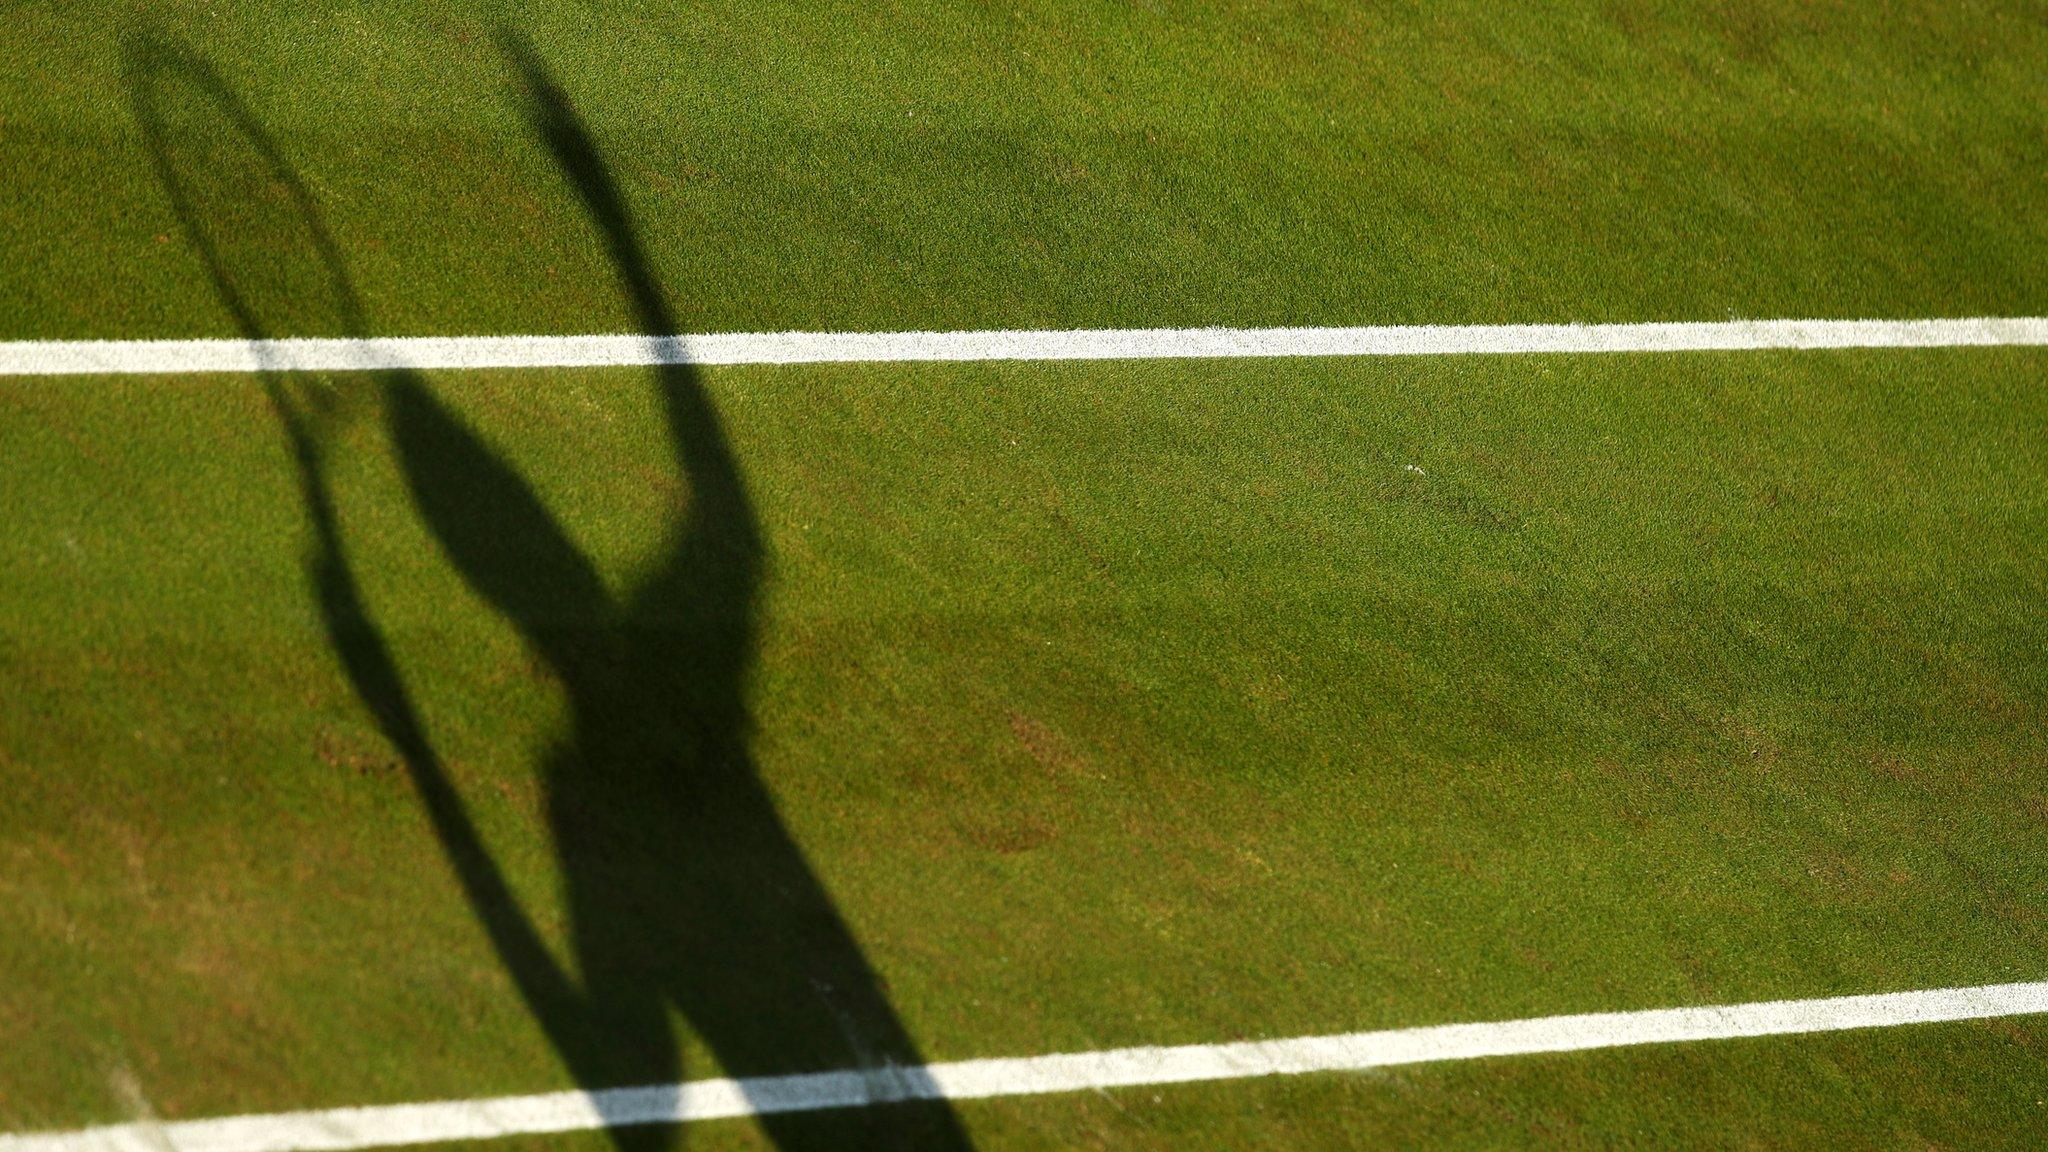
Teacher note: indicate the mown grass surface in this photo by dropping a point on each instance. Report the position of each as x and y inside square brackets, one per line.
[1065, 162]
[1116, 704]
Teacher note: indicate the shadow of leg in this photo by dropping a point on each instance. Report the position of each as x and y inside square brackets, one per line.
[751, 946]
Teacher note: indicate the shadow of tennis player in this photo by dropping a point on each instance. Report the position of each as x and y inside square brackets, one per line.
[685, 889]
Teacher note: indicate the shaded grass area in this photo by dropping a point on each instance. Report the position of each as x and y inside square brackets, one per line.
[1119, 703]
[1074, 163]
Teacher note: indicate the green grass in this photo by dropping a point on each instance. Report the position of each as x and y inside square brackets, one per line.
[831, 165]
[1115, 703]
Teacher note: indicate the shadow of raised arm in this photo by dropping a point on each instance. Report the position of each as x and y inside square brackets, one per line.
[209, 151]
[720, 538]
[373, 673]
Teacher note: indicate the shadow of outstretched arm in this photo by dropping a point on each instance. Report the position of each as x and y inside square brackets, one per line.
[721, 538]
[210, 153]
[373, 673]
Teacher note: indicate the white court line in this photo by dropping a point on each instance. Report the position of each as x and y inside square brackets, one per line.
[400, 1124]
[83, 357]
